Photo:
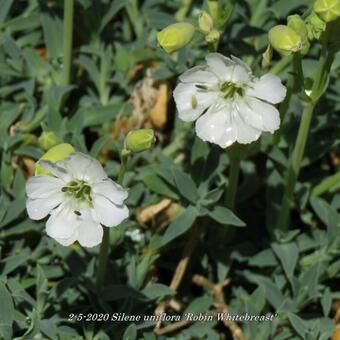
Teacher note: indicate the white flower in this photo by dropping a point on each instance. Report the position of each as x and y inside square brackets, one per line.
[228, 102]
[79, 198]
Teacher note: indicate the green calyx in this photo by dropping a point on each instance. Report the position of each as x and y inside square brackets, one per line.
[284, 39]
[296, 23]
[230, 89]
[79, 190]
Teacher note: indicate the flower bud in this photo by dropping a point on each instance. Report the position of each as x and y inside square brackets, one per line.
[213, 36]
[48, 139]
[328, 10]
[315, 26]
[175, 36]
[296, 23]
[57, 153]
[284, 40]
[205, 22]
[139, 140]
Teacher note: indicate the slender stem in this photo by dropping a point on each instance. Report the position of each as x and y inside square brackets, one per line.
[105, 245]
[233, 181]
[294, 167]
[102, 260]
[183, 10]
[68, 37]
[122, 168]
[291, 84]
[281, 65]
[325, 62]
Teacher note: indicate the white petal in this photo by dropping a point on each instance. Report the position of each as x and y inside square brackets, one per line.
[40, 207]
[84, 167]
[200, 75]
[240, 75]
[268, 88]
[270, 115]
[62, 223]
[227, 69]
[191, 101]
[220, 65]
[43, 186]
[241, 63]
[90, 233]
[108, 213]
[245, 133]
[57, 169]
[210, 126]
[111, 190]
[229, 135]
[68, 241]
[250, 116]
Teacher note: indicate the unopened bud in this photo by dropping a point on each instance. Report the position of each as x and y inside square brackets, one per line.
[205, 22]
[175, 36]
[284, 40]
[139, 140]
[328, 10]
[296, 23]
[54, 154]
[213, 36]
[47, 140]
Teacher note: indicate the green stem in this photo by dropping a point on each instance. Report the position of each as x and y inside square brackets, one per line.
[183, 10]
[105, 245]
[294, 167]
[68, 37]
[318, 89]
[234, 172]
[281, 65]
[291, 84]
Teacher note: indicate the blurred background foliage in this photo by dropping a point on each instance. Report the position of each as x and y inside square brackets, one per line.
[121, 80]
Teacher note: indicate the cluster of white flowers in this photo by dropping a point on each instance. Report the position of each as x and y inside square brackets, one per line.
[228, 102]
[79, 197]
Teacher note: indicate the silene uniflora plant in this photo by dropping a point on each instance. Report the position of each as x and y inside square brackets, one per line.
[170, 170]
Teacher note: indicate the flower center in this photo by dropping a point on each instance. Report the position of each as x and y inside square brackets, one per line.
[79, 190]
[230, 89]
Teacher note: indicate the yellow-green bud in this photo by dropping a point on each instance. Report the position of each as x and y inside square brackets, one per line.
[296, 23]
[213, 36]
[284, 39]
[315, 26]
[139, 140]
[175, 36]
[205, 22]
[328, 10]
[48, 140]
[54, 154]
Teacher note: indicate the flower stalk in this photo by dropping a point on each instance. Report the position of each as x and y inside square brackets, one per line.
[326, 60]
[68, 38]
[234, 173]
[294, 78]
[105, 245]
